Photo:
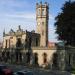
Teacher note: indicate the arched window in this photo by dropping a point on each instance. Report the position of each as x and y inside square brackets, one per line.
[44, 58]
[39, 12]
[43, 12]
[36, 41]
[18, 43]
[6, 43]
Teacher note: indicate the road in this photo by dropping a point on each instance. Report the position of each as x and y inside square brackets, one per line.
[36, 71]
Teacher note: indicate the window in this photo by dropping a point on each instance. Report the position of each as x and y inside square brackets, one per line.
[38, 11]
[18, 43]
[36, 58]
[43, 12]
[36, 41]
[6, 43]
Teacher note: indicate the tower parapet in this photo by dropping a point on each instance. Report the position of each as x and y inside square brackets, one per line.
[42, 5]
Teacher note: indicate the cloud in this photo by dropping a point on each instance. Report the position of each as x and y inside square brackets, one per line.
[22, 15]
[14, 3]
[18, 12]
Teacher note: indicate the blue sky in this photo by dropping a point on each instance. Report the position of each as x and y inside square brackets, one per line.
[23, 12]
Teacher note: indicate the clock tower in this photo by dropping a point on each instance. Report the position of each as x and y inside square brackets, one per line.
[42, 17]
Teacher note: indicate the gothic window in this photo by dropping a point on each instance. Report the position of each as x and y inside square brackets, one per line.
[43, 12]
[18, 43]
[38, 11]
[36, 41]
[6, 43]
[9, 43]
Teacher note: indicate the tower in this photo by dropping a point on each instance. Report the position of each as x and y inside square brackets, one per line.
[42, 17]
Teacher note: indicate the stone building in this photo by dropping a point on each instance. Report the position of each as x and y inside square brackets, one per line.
[32, 47]
[10, 39]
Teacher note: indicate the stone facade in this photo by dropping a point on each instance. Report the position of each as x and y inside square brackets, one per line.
[33, 44]
[32, 47]
[10, 39]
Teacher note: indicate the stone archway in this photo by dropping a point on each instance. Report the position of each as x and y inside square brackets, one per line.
[35, 58]
[44, 58]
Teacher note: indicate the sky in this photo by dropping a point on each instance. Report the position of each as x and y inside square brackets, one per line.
[23, 12]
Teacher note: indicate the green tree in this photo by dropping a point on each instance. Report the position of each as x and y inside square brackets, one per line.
[65, 23]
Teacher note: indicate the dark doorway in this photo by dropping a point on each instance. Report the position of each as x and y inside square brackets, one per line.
[18, 43]
[44, 58]
[35, 58]
[18, 50]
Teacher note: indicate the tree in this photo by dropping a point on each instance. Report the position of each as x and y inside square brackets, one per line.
[65, 23]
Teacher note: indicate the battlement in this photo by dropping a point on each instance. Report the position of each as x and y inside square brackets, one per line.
[38, 5]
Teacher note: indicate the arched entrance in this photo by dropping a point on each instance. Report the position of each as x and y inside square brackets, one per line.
[35, 58]
[44, 58]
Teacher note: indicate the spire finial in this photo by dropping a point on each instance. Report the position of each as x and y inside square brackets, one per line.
[19, 27]
[4, 32]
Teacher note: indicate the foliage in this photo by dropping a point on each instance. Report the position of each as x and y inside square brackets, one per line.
[65, 24]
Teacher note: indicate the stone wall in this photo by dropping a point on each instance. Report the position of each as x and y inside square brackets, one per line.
[49, 54]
